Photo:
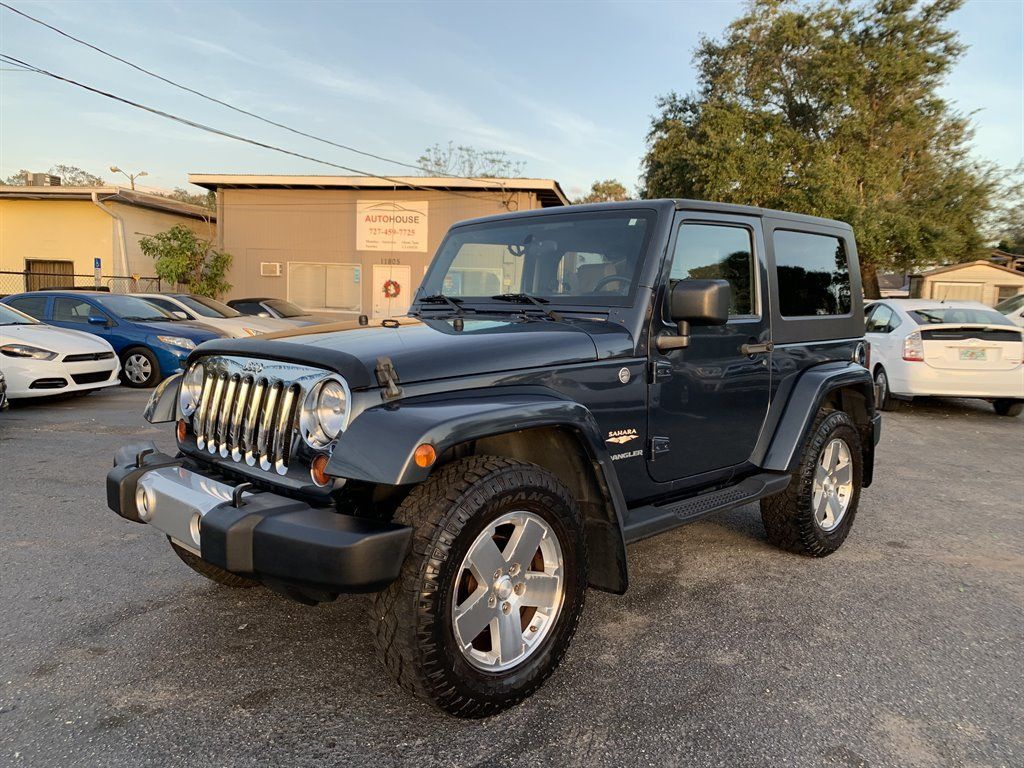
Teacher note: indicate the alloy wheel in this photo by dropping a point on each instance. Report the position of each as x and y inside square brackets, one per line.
[833, 485]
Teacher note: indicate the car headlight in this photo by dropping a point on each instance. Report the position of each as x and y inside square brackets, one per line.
[191, 389]
[24, 350]
[325, 412]
[177, 341]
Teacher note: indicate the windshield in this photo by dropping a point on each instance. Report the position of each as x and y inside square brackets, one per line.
[1011, 304]
[11, 316]
[284, 308]
[206, 307]
[969, 315]
[574, 258]
[132, 308]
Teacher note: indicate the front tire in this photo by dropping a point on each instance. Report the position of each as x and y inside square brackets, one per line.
[491, 594]
[214, 573]
[139, 368]
[1008, 407]
[814, 514]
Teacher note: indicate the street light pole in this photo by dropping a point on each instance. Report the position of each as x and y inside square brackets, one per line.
[131, 176]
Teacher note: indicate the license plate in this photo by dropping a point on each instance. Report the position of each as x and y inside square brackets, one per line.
[972, 354]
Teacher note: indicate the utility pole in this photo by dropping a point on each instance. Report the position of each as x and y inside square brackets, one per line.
[131, 176]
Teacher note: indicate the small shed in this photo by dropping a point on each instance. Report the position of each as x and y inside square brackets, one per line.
[971, 281]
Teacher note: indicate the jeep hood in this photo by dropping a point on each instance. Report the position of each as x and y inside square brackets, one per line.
[431, 348]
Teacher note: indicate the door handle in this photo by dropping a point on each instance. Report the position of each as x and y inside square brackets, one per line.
[757, 349]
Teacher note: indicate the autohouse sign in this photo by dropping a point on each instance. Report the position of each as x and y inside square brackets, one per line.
[389, 225]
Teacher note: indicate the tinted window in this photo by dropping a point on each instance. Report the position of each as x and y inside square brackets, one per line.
[714, 252]
[132, 308]
[882, 320]
[970, 315]
[283, 308]
[74, 311]
[30, 305]
[206, 307]
[247, 307]
[165, 305]
[813, 274]
[11, 316]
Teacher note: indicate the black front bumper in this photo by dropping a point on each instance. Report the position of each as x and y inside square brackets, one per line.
[310, 553]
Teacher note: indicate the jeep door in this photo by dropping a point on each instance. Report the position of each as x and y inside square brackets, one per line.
[708, 401]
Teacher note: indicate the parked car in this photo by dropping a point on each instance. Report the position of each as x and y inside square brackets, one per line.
[39, 360]
[150, 343]
[215, 314]
[1013, 308]
[952, 348]
[478, 464]
[279, 308]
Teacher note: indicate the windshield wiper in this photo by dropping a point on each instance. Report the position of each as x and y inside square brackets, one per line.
[525, 298]
[440, 298]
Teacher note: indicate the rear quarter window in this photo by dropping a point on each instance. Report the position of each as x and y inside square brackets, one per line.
[813, 274]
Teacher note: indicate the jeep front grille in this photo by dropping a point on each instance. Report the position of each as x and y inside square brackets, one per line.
[248, 417]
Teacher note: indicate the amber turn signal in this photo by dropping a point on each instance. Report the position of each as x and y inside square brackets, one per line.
[182, 430]
[425, 455]
[318, 470]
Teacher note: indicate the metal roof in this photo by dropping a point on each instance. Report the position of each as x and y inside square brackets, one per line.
[109, 194]
[548, 191]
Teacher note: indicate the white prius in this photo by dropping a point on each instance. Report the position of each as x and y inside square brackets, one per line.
[38, 359]
[951, 349]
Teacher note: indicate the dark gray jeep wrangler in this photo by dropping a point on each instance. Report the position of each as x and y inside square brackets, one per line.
[568, 381]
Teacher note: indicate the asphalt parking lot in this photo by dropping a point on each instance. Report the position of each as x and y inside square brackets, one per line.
[906, 648]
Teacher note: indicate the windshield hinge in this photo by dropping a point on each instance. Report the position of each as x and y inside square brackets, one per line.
[387, 378]
[659, 447]
[661, 370]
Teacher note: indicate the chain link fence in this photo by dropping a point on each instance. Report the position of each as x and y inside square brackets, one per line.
[17, 282]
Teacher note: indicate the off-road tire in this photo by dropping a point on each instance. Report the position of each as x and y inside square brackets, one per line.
[789, 517]
[1008, 407]
[211, 571]
[413, 633]
[886, 401]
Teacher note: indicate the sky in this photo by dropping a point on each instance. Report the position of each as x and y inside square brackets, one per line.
[568, 88]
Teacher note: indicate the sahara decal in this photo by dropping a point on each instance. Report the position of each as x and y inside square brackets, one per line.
[620, 436]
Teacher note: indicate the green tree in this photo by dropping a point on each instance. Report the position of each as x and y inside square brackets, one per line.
[605, 191]
[832, 109]
[206, 199]
[1008, 222]
[70, 176]
[183, 258]
[469, 162]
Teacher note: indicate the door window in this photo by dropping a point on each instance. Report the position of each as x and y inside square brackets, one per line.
[882, 320]
[718, 252]
[30, 305]
[813, 274]
[74, 311]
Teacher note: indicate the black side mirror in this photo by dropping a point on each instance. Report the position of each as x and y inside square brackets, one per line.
[697, 302]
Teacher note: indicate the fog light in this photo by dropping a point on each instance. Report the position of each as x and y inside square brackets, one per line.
[182, 430]
[318, 470]
[425, 455]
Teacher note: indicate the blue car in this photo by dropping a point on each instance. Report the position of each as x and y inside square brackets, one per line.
[151, 343]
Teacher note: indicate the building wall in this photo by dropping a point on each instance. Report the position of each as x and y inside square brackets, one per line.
[144, 222]
[974, 282]
[55, 230]
[318, 227]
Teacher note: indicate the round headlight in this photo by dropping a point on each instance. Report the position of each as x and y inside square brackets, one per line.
[325, 413]
[191, 389]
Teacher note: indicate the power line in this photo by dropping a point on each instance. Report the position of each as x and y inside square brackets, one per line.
[217, 131]
[240, 110]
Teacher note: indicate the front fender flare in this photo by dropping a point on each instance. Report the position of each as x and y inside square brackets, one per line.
[378, 448]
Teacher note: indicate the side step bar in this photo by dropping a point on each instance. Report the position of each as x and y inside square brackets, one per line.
[643, 522]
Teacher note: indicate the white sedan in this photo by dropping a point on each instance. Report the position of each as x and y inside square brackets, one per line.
[951, 349]
[38, 359]
[215, 314]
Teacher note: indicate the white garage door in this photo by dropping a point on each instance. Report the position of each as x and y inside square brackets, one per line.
[325, 287]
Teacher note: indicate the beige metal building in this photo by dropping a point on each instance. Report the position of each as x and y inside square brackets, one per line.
[63, 231]
[972, 281]
[350, 244]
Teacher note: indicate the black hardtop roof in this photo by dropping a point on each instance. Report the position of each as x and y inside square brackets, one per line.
[666, 205]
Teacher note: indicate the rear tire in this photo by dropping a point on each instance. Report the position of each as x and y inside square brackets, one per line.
[457, 516]
[814, 514]
[211, 571]
[1008, 407]
[886, 401]
[139, 368]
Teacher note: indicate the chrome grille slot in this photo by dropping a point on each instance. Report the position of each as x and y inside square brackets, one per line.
[246, 416]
